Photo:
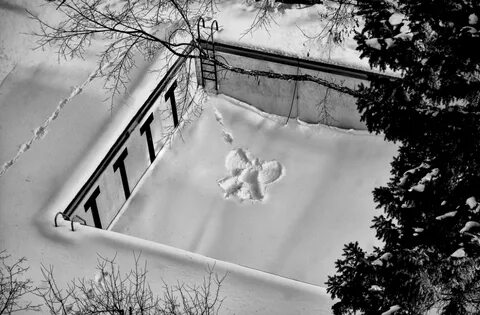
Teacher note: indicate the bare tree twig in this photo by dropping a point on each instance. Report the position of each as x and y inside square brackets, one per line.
[134, 27]
[8, 74]
[14, 287]
[112, 292]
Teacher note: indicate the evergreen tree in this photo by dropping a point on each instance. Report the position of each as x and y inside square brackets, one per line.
[430, 228]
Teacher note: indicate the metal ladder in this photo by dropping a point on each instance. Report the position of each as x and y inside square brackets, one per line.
[208, 67]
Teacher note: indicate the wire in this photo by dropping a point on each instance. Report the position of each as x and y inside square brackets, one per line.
[294, 92]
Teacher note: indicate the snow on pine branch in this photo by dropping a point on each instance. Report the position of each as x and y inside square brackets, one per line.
[41, 131]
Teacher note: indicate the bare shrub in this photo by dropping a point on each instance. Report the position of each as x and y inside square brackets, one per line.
[14, 287]
[112, 292]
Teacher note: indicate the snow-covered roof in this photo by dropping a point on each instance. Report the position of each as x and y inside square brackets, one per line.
[287, 33]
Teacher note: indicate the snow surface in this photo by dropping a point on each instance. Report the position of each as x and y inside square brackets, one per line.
[248, 176]
[46, 177]
[286, 34]
[295, 226]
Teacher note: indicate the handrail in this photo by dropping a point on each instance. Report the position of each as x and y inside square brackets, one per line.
[198, 26]
[72, 220]
[214, 23]
[211, 28]
[64, 216]
[125, 134]
[294, 61]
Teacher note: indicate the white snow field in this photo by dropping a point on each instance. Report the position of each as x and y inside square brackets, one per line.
[286, 32]
[292, 30]
[306, 204]
[243, 187]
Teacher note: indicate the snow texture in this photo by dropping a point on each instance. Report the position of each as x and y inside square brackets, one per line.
[299, 211]
[382, 259]
[392, 310]
[286, 34]
[405, 29]
[450, 214]
[470, 225]
[471, 202]
[249, 176]
[459, 253]
[418, 188]
[396, 19]
[472, 19]
[50, 172]
[373, 43]
[386, 256]
[430, 176]
[47, 176]
[418, 168]
[405, 35]
[227, 135]
[41, 131]
[376, 288]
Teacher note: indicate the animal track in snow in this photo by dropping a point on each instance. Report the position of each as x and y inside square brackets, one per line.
[227, 136]
[249, 176]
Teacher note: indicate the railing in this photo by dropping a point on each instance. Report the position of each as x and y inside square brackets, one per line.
[122, 139]
[209, 45]
[291, 61]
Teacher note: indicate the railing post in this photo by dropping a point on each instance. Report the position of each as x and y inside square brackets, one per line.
[82, 221]
[198, 26]
[214, 23]
[65, 217]
[200, 47]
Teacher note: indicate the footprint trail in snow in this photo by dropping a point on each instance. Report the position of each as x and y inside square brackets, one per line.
[227, 136]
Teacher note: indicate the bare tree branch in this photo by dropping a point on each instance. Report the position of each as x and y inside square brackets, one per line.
[337, 19]
[14, 287]
[7, 75]
[137, 27]
[112, 292]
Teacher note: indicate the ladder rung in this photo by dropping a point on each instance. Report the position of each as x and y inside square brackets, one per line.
[209, 71]
[211, 79]
[208, 75]
[208, 63]
[209, 56]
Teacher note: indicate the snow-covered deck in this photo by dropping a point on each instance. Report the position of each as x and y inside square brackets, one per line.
[242, 186]
[45, 178]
